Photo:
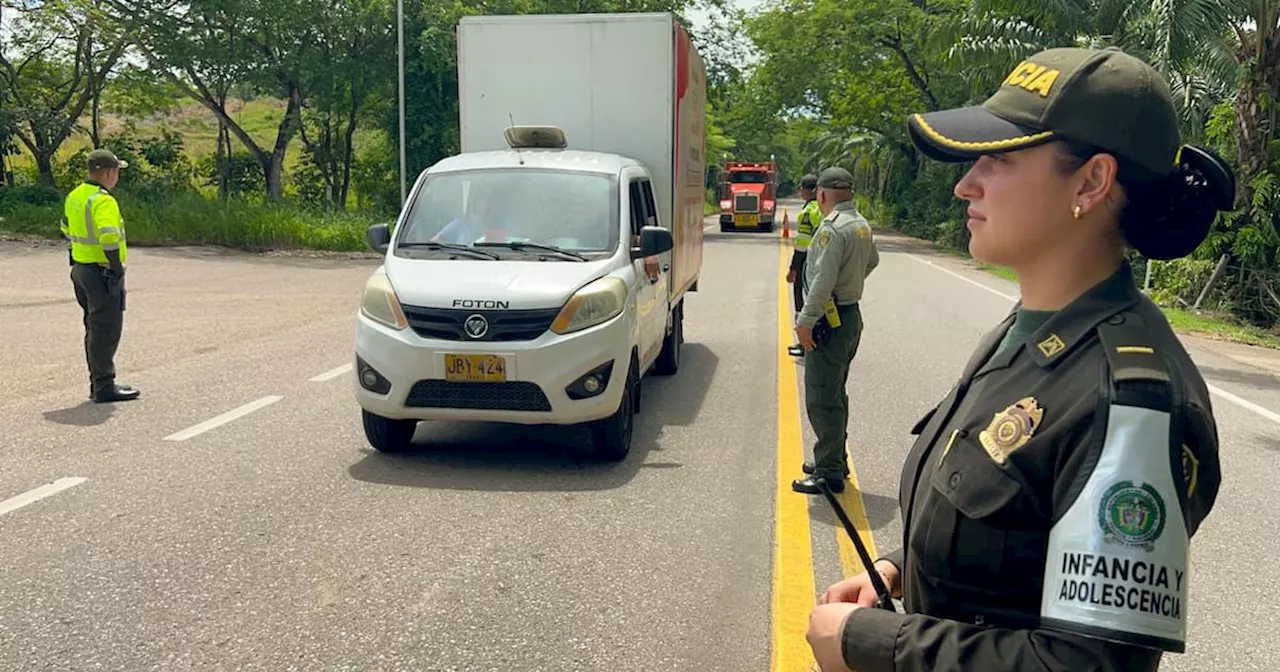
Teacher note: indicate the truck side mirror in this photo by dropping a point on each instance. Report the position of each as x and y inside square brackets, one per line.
[378, 238]
[653, 240]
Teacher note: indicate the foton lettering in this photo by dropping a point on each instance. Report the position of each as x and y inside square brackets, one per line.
[481, 303]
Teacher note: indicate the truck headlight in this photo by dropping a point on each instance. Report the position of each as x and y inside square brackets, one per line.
[380, 303]
[598, 302]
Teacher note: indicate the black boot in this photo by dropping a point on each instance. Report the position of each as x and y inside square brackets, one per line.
[808, 486]
[115, 393]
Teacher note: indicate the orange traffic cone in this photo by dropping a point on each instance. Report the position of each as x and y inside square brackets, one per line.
[786, 227]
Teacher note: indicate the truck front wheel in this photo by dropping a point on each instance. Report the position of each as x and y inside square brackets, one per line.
[387, 435]
[611, 437]
[669, 359]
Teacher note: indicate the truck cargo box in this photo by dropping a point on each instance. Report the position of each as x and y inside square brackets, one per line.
[628, 84]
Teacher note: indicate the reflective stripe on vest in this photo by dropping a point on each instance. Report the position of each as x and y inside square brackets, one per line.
[806, 224]
[92, 232]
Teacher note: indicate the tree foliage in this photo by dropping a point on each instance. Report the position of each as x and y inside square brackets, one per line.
[859, 69]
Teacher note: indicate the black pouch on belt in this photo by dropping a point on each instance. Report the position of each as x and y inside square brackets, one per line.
[822, 331]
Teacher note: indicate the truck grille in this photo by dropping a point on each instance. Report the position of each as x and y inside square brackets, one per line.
[746, 203]
[512, 395]
[504, 325]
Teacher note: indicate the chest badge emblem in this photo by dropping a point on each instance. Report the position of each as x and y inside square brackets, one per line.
[1011, 428]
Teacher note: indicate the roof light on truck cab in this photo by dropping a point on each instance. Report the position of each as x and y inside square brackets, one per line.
[535, 137]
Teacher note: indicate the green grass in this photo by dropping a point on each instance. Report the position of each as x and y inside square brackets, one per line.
[1222, 328]
[192, 219]
[999, 271]
[1205, 324]
[709, 209]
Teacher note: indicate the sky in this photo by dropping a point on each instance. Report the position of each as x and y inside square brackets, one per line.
[698, 17]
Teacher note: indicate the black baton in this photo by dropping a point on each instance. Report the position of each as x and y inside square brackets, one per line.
[883, 598]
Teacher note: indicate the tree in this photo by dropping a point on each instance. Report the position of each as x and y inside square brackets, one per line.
[356, 50]
[204, 47]
[57, 60]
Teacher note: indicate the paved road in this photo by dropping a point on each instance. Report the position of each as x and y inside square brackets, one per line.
[141, 537]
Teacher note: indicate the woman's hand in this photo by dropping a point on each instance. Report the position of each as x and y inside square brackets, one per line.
[835, 606]
[858, 589]
[826, 635]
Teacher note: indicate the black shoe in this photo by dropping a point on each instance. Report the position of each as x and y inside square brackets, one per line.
[807, 468]
[795, 350]
[115, 393]
[809, 487]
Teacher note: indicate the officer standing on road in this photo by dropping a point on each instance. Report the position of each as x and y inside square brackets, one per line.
[806, 223]
[99, 255]
[829, 326]
[1049, 500]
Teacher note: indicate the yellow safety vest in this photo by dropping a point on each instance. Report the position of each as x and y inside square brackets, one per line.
[92, 222]
[806, 223]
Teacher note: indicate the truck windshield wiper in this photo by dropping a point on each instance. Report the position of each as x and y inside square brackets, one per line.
[522, 246]
[432, 245]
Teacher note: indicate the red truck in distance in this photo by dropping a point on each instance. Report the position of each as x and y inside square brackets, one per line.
[748, 195]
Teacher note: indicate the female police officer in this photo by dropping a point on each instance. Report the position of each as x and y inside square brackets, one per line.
[1049, 499]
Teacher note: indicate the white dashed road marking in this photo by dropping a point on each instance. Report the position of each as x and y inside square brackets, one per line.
[331, 374]
[223, 419]
[33, 496]
[1238, 401]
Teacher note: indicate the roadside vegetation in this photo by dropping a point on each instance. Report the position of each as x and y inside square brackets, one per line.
[273, 123]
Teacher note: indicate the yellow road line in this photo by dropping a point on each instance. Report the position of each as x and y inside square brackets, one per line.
[851, 500]
[793, 583]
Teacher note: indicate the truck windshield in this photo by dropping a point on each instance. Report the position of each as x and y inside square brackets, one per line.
[748, 177]
[570, 210]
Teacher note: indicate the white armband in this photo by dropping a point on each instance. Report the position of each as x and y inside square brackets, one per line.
[1117, 560]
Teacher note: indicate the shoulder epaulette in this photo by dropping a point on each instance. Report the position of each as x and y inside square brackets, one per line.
[1139, 374]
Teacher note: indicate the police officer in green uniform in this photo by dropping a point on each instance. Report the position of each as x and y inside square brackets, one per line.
[99, 254]
[1049, 500]
[829, 326]
[806, 223]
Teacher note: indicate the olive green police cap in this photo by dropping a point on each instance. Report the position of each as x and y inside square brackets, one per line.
[1103, 97]
[105, 158]
[835, 178]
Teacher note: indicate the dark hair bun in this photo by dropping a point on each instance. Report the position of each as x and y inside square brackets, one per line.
[1170, 217]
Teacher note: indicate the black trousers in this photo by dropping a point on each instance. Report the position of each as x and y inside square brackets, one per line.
[103, 323]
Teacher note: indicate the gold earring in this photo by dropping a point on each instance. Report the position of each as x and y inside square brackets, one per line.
[1076, 212]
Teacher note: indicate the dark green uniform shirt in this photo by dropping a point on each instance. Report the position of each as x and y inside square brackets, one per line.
[1002, 459]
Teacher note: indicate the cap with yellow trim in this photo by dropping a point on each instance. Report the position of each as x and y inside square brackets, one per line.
[1103, 97]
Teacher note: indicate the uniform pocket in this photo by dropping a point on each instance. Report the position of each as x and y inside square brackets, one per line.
[971, 516]
[971, 481]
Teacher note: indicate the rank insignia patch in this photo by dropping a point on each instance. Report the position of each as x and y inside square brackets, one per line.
[1011, 428]
[1051, 345]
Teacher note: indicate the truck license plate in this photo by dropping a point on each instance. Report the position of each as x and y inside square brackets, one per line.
[475, 368]
[746, 220]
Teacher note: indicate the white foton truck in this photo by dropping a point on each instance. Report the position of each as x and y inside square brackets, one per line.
[540, 274]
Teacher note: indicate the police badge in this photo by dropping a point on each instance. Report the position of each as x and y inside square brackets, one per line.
[1011, 428]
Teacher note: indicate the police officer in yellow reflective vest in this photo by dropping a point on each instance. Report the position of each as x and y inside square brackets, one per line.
[99, 255]
[806, 223]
